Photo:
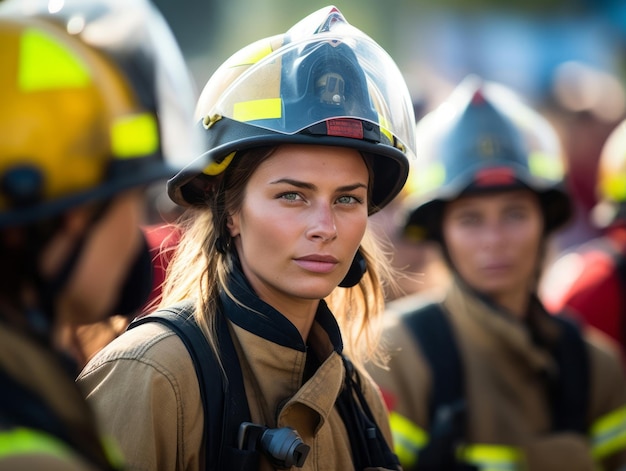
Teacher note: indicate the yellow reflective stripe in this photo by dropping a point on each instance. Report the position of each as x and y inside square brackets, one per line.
[134, 136]
[491, 457]
[545, 166]
[251, 54]
[46, 64]
[113, 452]
[269, 108]
[408, 439]
[614, 186]
[608, 433]
[21, 441]
[215, 168]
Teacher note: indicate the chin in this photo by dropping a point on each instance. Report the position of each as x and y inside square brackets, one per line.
[314, 289]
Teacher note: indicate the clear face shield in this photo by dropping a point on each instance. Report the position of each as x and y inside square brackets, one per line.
[135, 35]
[312, 74]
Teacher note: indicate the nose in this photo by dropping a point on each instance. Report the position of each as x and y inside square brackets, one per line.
[493, 235]
[322, 224]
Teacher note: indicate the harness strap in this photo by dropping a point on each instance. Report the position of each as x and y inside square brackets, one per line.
[447, 407]
[223, 398]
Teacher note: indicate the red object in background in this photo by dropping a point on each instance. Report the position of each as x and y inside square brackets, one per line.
[162, 240]
[587, 286]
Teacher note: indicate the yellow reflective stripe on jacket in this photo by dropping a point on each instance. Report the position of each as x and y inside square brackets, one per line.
[22, 441]
[492, 457]
[608, 434]
[408, 439]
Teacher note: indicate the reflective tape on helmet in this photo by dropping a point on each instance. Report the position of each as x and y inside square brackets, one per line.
[492, 457]
[545, 166]
[251, 54]
[614, 187]
[429, 178]
[408, 439]
[24, 441]
[45, 64]
[215, 168]
[269, 108]
[134, 136]
[608, 434]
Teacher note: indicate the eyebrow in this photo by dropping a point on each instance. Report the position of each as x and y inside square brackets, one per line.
[311, 186]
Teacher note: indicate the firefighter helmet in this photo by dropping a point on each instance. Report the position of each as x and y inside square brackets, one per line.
[323, 82]
[88, 109]
[611, 180]
[483, 137]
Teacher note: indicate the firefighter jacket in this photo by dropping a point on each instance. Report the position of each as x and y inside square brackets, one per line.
[44, 421]
[508, 414]
[145, 390]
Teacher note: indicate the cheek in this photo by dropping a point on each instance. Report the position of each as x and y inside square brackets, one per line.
[529, 244]
[459, 246]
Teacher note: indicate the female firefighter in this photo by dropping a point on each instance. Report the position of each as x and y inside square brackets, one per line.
[485, 378]
[308, 133]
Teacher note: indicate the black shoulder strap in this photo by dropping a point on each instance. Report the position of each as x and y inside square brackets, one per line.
[570, 401]
[433, 333]
[228, 406]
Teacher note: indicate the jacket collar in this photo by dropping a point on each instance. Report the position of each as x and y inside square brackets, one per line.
[249, 312]
[529, 338]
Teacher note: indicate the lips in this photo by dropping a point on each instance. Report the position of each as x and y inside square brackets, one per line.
[317, 263]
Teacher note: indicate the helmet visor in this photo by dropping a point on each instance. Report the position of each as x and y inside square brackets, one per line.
[340, 73]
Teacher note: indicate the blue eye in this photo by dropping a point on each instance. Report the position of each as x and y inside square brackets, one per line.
[349, 199]
[290, 196]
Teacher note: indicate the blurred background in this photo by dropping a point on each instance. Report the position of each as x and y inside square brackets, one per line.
[567, 58]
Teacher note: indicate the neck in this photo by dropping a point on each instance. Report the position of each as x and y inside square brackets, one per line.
[514, 302]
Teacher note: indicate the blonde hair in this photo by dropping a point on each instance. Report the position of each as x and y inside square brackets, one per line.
[200, 266]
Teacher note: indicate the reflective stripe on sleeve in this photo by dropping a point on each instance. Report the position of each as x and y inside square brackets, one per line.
[21, 441]
[492, 457]
[408, 439]
[608, 433]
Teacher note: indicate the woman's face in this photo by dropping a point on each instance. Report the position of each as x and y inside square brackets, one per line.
[303, 216]
[494, 240]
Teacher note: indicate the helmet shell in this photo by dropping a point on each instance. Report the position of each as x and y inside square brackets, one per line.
[611, 179]
[484, 138]
[84, 113]
[612, 167]
[323, 82]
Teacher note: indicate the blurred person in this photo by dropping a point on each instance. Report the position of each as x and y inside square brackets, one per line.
[308, 133]
[585, 105]
[588, 282]
[484, 378]
[81, 136]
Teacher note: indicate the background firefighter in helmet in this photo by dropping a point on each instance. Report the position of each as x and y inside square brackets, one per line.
[485, 378]
[78, 144]
[589, 281]
[308, 133]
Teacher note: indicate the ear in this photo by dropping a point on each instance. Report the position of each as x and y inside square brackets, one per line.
[233, 224]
